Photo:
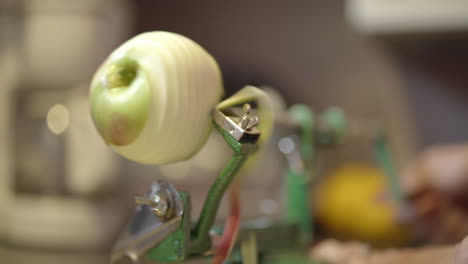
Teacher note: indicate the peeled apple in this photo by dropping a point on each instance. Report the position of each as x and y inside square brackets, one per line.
[151, 100]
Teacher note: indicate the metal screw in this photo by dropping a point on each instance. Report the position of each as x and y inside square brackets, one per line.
[158, 203]
[247, 121]
[286, 145]
[129, 258]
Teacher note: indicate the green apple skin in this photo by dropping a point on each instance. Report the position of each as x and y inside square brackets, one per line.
[120, 101]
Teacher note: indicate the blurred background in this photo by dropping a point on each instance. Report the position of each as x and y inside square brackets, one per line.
[64, 196]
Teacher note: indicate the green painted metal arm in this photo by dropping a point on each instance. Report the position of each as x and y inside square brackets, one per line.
[298, 209]
[201, 241]
[384, 159]
[305, 118]
[328, 131]
[297, 182]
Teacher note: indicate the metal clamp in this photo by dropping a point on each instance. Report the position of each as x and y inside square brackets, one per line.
[239, 122]
[158, 214]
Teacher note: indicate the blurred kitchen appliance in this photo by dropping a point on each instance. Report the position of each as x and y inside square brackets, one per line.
[58, 183]
[408, 16]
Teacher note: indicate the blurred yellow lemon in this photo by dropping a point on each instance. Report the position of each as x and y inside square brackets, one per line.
[353, 203]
